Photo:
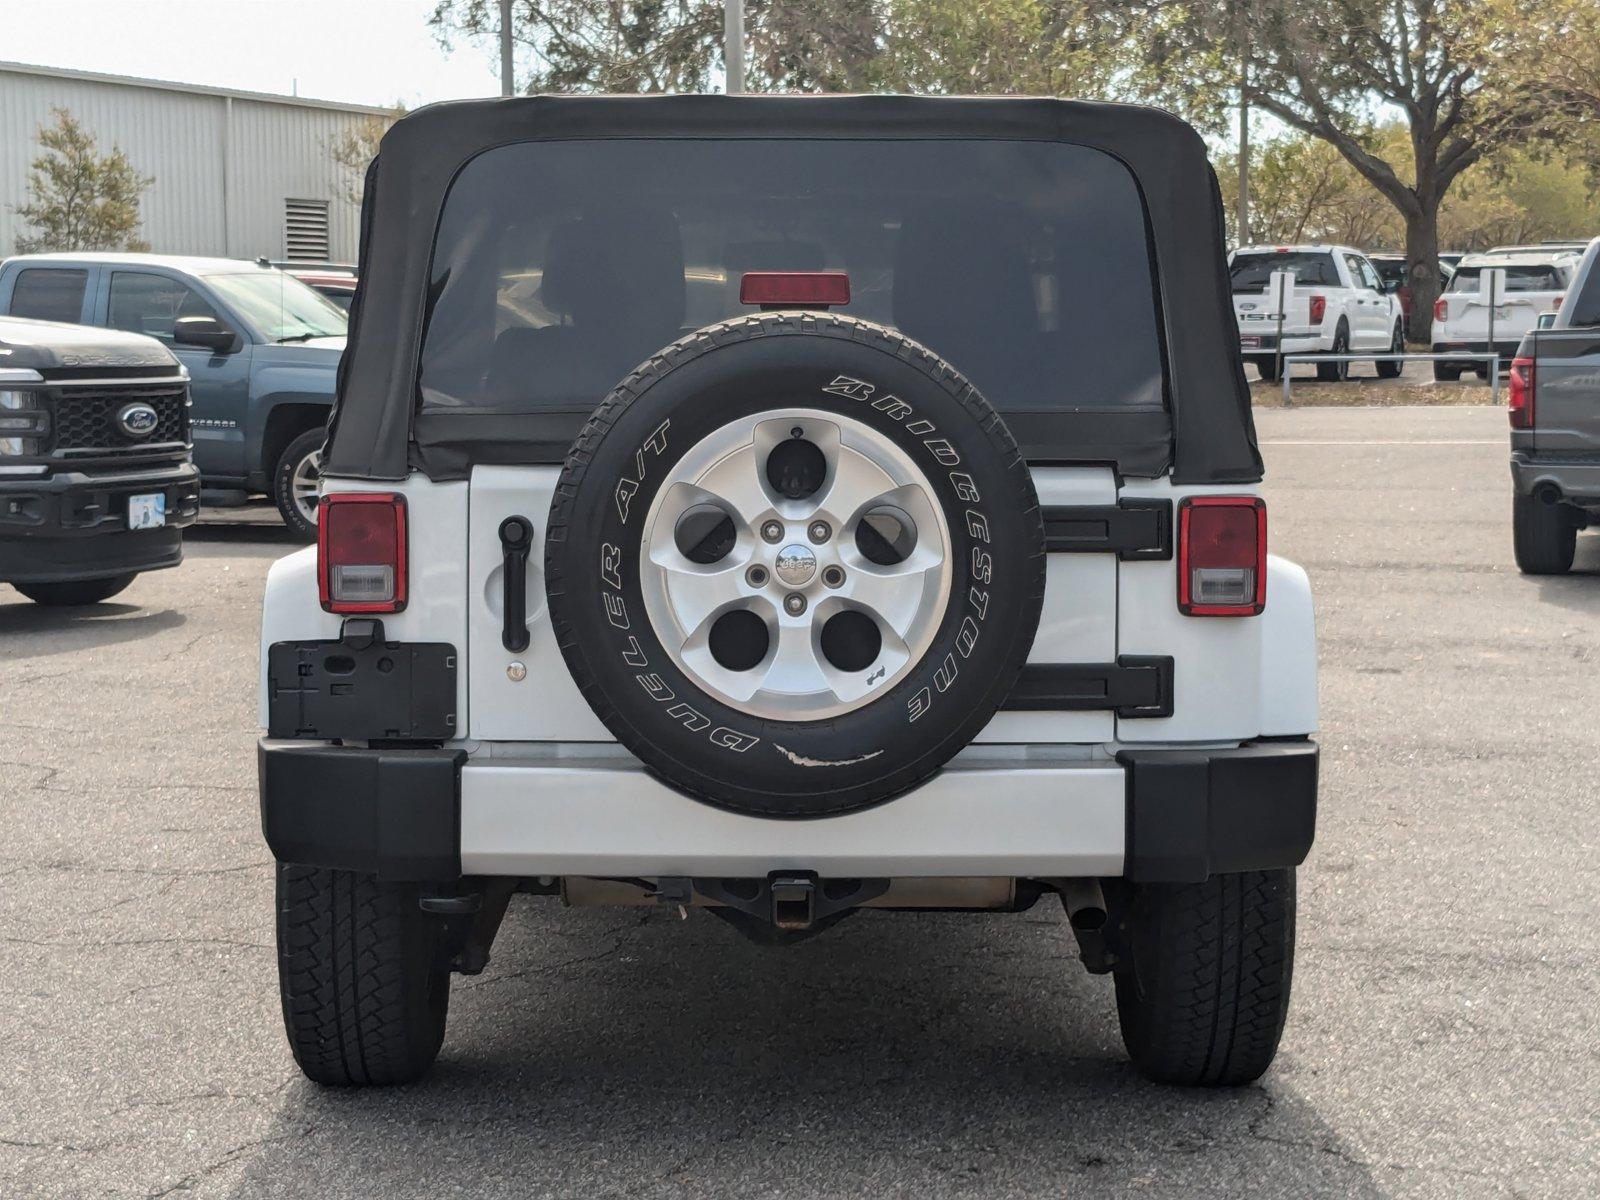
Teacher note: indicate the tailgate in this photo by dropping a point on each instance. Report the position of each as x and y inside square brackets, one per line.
[1468, 316]
[1566, 412]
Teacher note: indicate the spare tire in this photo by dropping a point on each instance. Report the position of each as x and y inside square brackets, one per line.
[795, 563]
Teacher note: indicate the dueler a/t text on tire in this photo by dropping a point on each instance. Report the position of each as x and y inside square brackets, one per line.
[731, 433]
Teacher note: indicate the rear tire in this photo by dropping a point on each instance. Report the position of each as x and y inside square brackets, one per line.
[1544, 536]
[1446, 373]
[1336, 372]
[75, 594]
[1267, 366]
[1397, 345]
[1203, 988]
[297, 470]
[362, 974]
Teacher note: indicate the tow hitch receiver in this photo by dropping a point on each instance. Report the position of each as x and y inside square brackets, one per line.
[794, 903]
[788, 903]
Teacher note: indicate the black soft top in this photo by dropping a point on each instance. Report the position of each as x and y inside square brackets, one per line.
[1207, 435]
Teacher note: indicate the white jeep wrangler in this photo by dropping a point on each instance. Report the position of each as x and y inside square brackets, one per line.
[728, 506]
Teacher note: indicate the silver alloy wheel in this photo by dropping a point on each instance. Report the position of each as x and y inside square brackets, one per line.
[905, 600]
[304, 485]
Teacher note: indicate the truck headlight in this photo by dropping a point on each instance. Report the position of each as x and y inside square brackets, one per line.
[22, 423]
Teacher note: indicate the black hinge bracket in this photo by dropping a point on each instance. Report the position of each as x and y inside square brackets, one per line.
[1133, 686]
[1130, 529]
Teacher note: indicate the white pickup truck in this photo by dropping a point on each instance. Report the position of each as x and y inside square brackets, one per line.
[1536, 280]
[1340, 306]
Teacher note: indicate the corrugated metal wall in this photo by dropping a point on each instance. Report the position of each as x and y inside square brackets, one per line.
[223, 166]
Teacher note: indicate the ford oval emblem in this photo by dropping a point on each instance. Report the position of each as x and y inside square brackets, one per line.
[137, 420]
[1248, 307]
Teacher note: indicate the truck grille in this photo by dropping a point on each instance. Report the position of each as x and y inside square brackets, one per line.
[86, 418]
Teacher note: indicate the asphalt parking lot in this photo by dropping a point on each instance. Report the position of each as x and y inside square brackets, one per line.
[1442, 1039]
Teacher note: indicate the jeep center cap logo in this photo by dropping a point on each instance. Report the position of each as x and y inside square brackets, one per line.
[137, 420]
[796, 565]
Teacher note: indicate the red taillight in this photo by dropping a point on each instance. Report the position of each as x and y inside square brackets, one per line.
[1441, 309]
[1520, 393]
[794, 289]
[1222, 556]
[361, 552]
[1319, 309]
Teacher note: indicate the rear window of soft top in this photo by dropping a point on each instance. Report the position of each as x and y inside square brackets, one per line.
[559, 266]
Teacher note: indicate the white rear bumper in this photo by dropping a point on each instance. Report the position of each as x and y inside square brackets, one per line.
[609, 816]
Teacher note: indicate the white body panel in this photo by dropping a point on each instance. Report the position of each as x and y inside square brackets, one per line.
[546, 705]
[436, 513]
[1078, 623]
[1234, 678]
[1012, 815]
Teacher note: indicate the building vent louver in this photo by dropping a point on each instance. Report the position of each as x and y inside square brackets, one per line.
[305, 230]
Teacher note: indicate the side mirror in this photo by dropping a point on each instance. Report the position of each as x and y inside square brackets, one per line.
[208, 332]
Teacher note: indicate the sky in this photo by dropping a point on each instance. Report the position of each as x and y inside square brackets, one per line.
[360, 51]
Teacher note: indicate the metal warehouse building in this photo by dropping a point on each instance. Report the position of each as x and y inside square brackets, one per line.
[239, 174]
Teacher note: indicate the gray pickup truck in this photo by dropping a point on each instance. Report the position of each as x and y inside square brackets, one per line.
[1555, 427]
[261, 347]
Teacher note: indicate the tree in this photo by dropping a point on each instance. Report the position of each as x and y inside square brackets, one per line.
[80, 200]
[1049, 47]
[598, 45]
[354, 147]
[1328, 68]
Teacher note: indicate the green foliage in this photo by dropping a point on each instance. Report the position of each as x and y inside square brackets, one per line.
[598, 45]
[1041, 47]
[1303, 189]
[80, 200]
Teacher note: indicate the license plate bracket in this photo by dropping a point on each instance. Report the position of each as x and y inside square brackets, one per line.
[147, 510]
[362, 688]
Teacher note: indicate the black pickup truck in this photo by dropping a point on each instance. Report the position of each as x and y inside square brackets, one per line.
[96, 477]
[1555, 427]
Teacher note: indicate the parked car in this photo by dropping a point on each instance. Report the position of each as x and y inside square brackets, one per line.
[1449, 258]
[725, 598]
[96, 483]
[1391, 269]
[1340, 306]
[261, 347]
[1554, 394]
[1536, 280]
[336, 281]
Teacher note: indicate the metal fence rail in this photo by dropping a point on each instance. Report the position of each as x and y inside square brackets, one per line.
[1492, 359]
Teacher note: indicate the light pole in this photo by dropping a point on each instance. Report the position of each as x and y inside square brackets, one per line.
[508, 83]
[733, 44]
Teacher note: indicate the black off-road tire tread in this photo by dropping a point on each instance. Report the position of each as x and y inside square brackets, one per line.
[703, 341]
[354, 988]
[1446, 373]
[76, 593]
[282, 480]
[1216, 971]
[1544, 537]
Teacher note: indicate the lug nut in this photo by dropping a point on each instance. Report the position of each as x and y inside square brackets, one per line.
[819, 532]
[833, 576]
[794, 604]
[756, 576]
[772, 531]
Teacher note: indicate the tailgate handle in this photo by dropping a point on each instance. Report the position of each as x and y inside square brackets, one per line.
[516, 535]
